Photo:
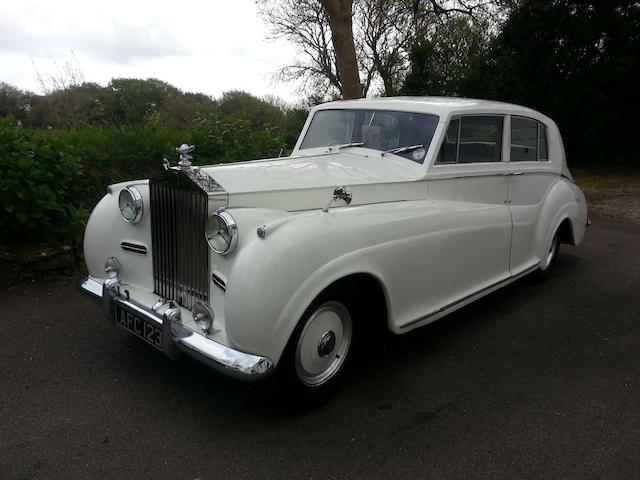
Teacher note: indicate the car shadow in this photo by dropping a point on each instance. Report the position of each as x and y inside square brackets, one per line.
[189, 383]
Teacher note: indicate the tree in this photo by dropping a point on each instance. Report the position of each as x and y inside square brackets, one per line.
[132, 100]
[14, 102]
[304, 23]
[382, 34]
[577, 61]
[339, 13]
[441, 63]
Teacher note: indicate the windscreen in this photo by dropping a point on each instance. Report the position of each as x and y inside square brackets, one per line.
[377, 129]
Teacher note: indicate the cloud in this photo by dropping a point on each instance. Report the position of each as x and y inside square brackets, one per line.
[200, 46]
[112, 43]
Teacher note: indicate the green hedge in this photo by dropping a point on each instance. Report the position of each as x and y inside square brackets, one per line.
[51, 178]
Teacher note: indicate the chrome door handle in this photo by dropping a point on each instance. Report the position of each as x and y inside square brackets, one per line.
[516, 173]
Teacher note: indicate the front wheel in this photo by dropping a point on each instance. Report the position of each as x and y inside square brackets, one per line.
[318, 352]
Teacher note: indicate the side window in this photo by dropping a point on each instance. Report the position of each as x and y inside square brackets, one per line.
[480, 139]
[472, 139]
[543, 150]
[528, 140]
[449, 149]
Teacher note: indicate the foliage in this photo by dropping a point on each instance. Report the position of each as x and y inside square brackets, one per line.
[14, 102]
[95, 136]
[228, 140]
[383, 33]
[36, 187]
[442, 62]
[578, 62]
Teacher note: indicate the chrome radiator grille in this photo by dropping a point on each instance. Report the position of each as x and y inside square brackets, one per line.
[180, 251]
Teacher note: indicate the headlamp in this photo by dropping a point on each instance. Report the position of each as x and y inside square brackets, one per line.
[130, 203]
[222, 232]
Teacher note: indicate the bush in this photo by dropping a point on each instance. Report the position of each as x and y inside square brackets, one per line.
[231, 140]
[37, 188]
[52, 178]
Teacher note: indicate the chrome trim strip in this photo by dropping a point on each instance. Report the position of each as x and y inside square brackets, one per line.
[240, 365]
[451, 305]
[133, 247]
[488, 174]
[219, 282]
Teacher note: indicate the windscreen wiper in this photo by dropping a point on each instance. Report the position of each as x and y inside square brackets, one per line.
[347, 145]
[402, 149]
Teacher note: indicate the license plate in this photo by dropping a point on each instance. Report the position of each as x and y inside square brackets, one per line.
[139, 326]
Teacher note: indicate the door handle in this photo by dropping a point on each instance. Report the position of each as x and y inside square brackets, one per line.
[516, 173]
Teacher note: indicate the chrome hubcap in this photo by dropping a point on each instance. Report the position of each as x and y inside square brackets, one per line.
[327, 343]
[323, 344]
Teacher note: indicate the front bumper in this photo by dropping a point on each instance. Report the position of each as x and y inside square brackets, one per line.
[178, 339]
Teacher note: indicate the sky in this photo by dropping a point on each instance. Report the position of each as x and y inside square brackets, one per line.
[199, 46]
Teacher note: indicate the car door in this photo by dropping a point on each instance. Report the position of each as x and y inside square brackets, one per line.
[470, 181]
[531, 177]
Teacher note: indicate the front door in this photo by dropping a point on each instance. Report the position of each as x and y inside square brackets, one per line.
[471, 181]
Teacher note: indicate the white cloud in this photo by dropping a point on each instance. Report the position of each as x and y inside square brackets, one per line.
[208, 47]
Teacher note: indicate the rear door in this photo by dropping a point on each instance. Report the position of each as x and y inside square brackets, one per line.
[531, 177]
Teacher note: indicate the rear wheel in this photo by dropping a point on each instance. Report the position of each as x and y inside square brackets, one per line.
[548, 263]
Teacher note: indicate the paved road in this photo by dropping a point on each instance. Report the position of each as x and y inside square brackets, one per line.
[532, 382]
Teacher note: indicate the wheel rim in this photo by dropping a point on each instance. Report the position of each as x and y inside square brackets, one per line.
[323, 344]
[552, 251]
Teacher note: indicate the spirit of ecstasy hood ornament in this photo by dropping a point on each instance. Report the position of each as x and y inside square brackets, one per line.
[185, 159]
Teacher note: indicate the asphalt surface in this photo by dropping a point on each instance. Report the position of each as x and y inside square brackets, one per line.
[535, 381]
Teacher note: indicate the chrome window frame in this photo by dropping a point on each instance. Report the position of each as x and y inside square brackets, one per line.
[499, 144]
[540, 126]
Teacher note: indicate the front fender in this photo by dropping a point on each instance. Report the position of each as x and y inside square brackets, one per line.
[274, 280]
[105, 231]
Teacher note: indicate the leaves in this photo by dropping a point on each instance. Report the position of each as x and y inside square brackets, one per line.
[37, 183]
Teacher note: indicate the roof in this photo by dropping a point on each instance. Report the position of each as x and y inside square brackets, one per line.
[441, 106]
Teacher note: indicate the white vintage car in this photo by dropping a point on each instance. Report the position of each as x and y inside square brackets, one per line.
[392, 210]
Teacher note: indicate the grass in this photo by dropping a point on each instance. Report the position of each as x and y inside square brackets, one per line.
[601, 179]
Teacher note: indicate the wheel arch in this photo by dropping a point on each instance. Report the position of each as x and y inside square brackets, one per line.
[566, 231]
[347, 288]
[559, 212]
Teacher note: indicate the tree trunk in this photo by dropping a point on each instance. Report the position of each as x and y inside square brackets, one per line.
[339, 13]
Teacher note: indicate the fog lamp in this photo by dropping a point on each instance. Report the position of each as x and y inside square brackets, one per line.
[203, 316]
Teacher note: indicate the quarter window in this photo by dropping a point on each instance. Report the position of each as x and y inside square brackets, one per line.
[528, 140]
[473, 139]
[449, 148]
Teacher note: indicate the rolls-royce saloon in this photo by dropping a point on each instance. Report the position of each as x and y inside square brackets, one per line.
[390, 212]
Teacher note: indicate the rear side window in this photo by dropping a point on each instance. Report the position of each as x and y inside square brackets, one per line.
[528, 140]
[473, 139]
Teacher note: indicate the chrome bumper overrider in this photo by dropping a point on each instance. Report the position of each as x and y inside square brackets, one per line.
[176, 338]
